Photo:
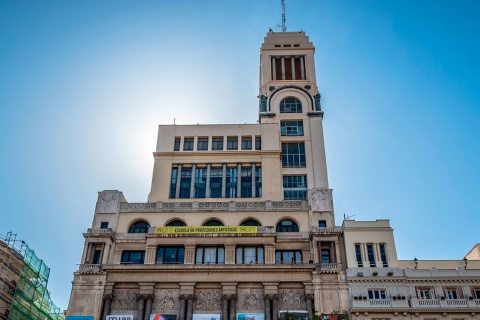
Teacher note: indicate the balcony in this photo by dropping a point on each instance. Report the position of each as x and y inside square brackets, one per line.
[329, 267]
[89, 268]
[100, 233]
[378, 303]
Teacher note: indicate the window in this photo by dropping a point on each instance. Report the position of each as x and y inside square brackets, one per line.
[258, 143]
[287, 257]
[287, 226]
[452, 293]
[322, 223]
[383, 254]
[293, 67]
[258, 182]
[425, 294]
[246, 181]
[294, 187]
[170, 255]
[213, 223]
[232, 143]
[476, 294]
[293, 155]
[217, 143]
[96, 256]
[250, 255]
[327, 252]
[290, 105]
[246, 143]
[202, 144]
[291, 128]
[213, 255]
[216, 175]
[377, 294]
[371, 255]
[358, 255]
[103, 225]
[185, 182]
[139, 227]
[200, 182]
[176, 223]
[176, 145]
[173, 182]
[231, 181]
[250, 223]
[188, 144]
[133, 257]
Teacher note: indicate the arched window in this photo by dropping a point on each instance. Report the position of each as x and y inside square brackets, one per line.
[139, 227]
[250, 223]
[290, 105]
[213, 223]
[287, 226]
[176, 223]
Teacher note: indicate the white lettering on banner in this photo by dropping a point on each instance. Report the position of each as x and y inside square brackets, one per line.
[120, 317]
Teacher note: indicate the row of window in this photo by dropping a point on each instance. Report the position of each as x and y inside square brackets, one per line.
[450, 293]
[212, 255]
[288, 68]
[217, 143]
[371, 251]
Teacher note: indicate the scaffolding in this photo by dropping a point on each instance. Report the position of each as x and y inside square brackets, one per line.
[24, 290]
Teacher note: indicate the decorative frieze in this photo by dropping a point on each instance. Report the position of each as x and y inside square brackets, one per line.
[208, 299]
[292, 299]
[124, 300]
[251, 299]
[166, 300]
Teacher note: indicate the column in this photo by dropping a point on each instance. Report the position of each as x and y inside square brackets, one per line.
[275, 307]
[87, 257]
[190, 307]
[181, 315]
[148, 307]
[239, 180]
[192, 181]
[224, 179]
[266, 298]
[283, 67]
[103, 252]
[233, 307]
[106, 305]
[302, 68]
[179, 177]
[141, 306]
[224, 307]
[207, 186]
[253, 180]
[308, 299]
[293, 68]
[274, 69]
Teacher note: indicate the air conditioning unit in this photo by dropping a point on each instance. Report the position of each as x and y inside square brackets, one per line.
[375, 273]
[360, 274]
[310, 261]
[390, 273]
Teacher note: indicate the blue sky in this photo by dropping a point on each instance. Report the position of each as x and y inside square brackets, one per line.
[84, 84]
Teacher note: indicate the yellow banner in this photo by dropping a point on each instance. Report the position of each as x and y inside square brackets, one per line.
[202, 229]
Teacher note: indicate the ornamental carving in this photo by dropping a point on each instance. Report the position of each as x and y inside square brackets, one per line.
[165, 300]
[251, 299]
[124, 300]
[208, 299]
[291, 299]
[208, 205]
[108, 202]
[287, 204]
[319, 199]
[308, 296]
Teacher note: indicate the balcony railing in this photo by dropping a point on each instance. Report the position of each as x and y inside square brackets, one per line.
[379, 303]
[328, 267]
[414, 303]
[89, 268]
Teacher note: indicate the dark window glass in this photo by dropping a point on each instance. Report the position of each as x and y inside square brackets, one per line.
[231, 181]
[325, 255]
[232, 143]
[246, 190]
[250, 223]
[139, 227]
[287, 226]
[258, 143]
[371, 255]
[176, 223]
[358, 254]
[217, 143]
[291, 128]
[170, 255]
[176, 146]
[188, 144]
[104, 225]
[173, 182]
[383, 254]
[322, 223]
[258, 182]
[96, 256]
[133, 257]
[210, 255]
[202, 144]
[295, 187]
[246, 143]
[185, 182]
[288, 257]
[250, 255]
[377, 294]
[293, 155]
[213, 223]
[200, 182]
[290, 105]
[216, 175]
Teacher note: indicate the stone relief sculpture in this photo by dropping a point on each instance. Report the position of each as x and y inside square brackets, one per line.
[263, 103]
[291, 300]
[208, 299]
[124, 300]
[108, 202]
[251, 299]
[318, 106]
[166, 300]
[319, 199]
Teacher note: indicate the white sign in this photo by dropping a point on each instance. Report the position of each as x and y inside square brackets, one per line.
[206, 316]
[120, 317]
[250, 316]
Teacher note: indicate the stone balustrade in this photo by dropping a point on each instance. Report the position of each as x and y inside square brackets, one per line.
[89, 268]
[414, 303]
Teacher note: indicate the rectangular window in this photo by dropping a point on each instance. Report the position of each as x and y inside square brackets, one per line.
[217, 143]
[293, 67]
[185, 183]
[293, 155]
[231, 181]
[258, 182]
[176, 145]
[173, 182]
[200, 182]
[96, 256]
[452, 293]
[170, 255]
[258, 143]
[425, 294]
[246, 143]
[291, 128]
[202, 144]
[188, 144]
[250, 255]
[104, 225]
[216, 175]
[377, 294]
[327, 252]
[232, 143]
[294, 187]
[358, 255]
[133, 257]
[288, 257]
[322, 223]
[371, 255]
[246, 181]
[476, 294]
[383, 254]
[210, 255]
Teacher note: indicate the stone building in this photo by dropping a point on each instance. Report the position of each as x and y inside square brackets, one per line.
[239, 223]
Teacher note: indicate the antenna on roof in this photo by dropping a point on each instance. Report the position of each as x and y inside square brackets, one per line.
[284, 27]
